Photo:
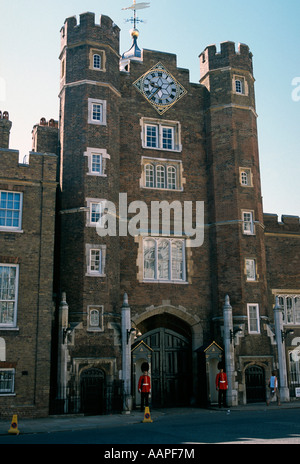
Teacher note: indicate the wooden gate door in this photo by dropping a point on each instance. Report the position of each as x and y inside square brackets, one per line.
[92, 391]
[255, 384]
[170, 368]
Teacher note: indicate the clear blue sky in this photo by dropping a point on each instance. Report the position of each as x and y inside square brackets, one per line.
[29, 67]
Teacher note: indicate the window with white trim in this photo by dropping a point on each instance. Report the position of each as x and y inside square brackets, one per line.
[245, 177]
[250, 265]
[95, 318]
[164, 260]
[239, 87]
[95, 212]
[291, 308]
[2, 349]
[161, 135]
[248, 222]
[161, 174]
[97, 159]
[253, 318]
[7, 381]
[9, 274]
[96, 111]
[10, 210]
[95, 259]
[97, 59]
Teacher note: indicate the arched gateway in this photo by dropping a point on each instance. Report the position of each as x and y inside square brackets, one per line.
[171, 341]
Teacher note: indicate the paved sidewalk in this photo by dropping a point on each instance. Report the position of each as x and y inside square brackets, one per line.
[77, 421]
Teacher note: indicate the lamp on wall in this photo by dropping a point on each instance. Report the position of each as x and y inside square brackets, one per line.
[284, 334]
[129, 332]
[66, 332]
[232, 333]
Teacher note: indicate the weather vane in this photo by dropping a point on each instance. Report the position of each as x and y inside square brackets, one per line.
[134, 7]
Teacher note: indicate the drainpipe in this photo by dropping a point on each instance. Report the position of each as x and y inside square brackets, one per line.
[62, 348]
[283, 387]
[126, 354]
[229, 352]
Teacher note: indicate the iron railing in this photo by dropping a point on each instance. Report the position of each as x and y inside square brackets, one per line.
[67, 401]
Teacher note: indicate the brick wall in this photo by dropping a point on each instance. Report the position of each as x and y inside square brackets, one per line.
[28, 344]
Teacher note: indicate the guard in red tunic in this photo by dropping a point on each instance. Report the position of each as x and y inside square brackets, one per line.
[222, 386]
[144, 387]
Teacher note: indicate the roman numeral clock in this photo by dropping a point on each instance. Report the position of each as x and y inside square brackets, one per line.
[160, 88]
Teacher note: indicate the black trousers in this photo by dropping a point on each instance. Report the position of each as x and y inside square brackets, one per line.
[144, 400]
[222, 398]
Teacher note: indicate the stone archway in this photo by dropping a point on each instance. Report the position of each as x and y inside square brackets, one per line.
[179, 312]
[171, 333]
[92, 391]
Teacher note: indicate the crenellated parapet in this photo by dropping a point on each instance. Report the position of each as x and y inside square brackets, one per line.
[89, 51]
[228, 56]
[106, 31]
[287, 225]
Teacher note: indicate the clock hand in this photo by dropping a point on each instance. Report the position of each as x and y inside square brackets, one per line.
[155, 91]
[158, 87]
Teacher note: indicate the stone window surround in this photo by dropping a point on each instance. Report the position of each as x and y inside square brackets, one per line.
[140, 261]
[89, 203]
[249, 174]
[256, 305]
[13, 325]
[96, 151]
[144, 121]
[96, 51]
[102, 249]
[100, 327]
[252, 226]
[244, 85]
[167, 163]
[19, 227]
[91, 103]
[256, 275]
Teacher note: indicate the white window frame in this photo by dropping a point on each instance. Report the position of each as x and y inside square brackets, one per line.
[291, 308]
[246, 177]
[101, 249]
[250, 269]
[158, 127]
[11, 390]
[91, 326]
[240, 85]
[250, 307]
[104, 156]
[150, 171]
[4, 325]
[159, 141]
[169, 262]
[248, 224]
[12, 228]
[97, 61]
[96, 52]
[92, 104]
[94, 204]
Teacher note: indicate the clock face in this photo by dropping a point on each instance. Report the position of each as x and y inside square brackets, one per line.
[160, 88]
